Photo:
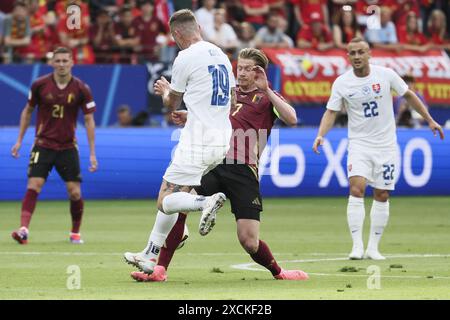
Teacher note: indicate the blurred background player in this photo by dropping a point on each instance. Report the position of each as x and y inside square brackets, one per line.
[406, 116]
[206, 86]
[59, 97]
[253, 117]
[365, 91]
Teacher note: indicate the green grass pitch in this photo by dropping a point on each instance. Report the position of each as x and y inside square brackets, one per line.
[306, 233]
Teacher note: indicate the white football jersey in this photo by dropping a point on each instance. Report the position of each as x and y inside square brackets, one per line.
[205, 76]
[368, 100]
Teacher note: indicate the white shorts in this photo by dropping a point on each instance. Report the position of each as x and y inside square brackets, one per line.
[189, 165]
[378, 166]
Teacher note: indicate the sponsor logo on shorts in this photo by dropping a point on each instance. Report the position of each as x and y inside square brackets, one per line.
[349, 168]
[256, 201]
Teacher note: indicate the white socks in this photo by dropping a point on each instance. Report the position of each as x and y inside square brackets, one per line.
[355, 219]
[172, 204]
[161, 229]
[379, 216]
[182, 202]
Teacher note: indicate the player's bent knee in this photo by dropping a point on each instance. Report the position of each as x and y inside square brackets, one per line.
[74, 192]
[35, 185]
[356, 191]
[75, 195]
[159, 204]
[250, 245]
[381, 196]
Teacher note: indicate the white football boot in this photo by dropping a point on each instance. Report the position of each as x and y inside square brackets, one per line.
[357, 253]
[373, 255]
[208, 219]
[139, 261]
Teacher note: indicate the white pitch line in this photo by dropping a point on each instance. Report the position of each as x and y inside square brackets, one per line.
[365, 276]
[250, 266]
[37, 253]
[60, 253]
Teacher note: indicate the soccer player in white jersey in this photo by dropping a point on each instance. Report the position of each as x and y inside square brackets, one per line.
[202, 76]
[365, 91]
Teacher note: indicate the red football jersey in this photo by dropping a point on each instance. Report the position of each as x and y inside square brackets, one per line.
[307, 7]
[306, 34]
[255, 4]
[58, 110]
[252, 120]
[416, 38]
[436, 38]
[147, 32]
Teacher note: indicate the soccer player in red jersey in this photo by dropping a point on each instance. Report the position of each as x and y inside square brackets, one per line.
[252, 119]
[59, 97]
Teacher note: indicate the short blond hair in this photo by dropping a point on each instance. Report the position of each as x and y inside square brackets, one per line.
[184, 18]
[256, 55]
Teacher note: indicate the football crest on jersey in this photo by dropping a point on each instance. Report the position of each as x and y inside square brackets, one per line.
[256, 98]
[376, 88]
[366, 90]
[70, 97]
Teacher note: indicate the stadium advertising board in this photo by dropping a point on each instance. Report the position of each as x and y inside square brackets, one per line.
[132, 163]
[307, 75]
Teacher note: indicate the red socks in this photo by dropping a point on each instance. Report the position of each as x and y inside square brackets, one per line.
[28, 206]
[172, 242]
[265, 258]
[76, 211]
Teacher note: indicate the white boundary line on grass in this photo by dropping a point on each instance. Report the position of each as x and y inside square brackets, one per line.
[250, 266]
[253, 266]
[56, 253]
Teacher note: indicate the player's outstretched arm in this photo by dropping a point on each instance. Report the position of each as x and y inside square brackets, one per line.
[171, 99]
[90, 130]
[326, 124]
[25, 119]
[418, 105]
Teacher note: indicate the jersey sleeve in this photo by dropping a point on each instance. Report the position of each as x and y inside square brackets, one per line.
[88, 103]
[277, 114]
[232, 79]
[180, 75]
[335, 101]
[33, 95]
[397, 83]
